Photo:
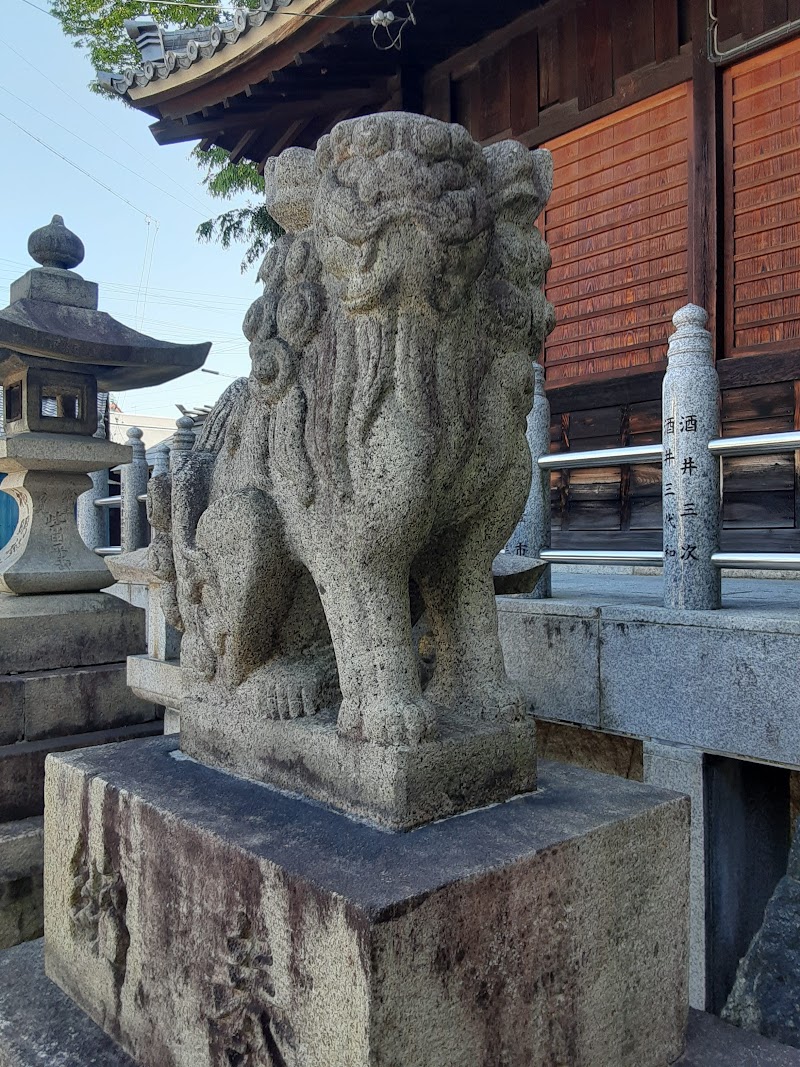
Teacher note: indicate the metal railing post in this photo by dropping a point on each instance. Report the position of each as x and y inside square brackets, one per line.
[691, 484]
[532, 535]
[133, 484]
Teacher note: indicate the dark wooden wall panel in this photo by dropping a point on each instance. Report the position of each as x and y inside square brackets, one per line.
[742, 20]
[633, 35]
[564, 64]
[762, 208]
[524, 83]
[617, 228]
[595, 53]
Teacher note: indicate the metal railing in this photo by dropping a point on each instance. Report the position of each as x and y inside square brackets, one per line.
[690, 456]
[94, 506]
[603, 457]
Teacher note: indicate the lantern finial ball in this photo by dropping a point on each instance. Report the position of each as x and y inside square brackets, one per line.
[56, 246]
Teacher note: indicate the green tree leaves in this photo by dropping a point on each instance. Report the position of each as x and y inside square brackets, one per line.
[98, 26]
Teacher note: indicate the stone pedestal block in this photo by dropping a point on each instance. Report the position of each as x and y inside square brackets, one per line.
[470, 764]
[203, 920]
[39, 1025]
[41, 633]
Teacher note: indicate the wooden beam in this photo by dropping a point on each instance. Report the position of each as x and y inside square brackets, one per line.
[306, 136]
[172, 132]
[239, 150]
[607, 390]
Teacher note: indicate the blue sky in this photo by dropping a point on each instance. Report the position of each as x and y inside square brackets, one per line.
[153, 276]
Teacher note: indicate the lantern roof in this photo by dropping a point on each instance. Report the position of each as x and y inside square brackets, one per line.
[53, 316]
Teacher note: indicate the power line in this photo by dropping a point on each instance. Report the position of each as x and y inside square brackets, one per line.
[86, 173]
[37, 8]
[97, 119]
[116, 162]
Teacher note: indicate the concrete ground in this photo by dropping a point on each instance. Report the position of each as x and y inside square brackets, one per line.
[39, 1025]
[712, 1043]
[600, 588]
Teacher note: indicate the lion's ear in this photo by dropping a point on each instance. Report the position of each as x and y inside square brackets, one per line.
[291, 186]
[519, 176]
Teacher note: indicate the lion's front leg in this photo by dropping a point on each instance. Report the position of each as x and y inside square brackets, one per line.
[458, 591]
[369, 616]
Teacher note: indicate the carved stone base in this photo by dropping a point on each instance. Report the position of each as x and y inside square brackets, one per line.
[203, 920]
[470, 765]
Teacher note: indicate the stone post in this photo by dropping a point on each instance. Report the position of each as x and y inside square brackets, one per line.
[133, 482]
[532, 534]
[691, 487]
[161, 460]
[682, 769]
[182, 441]
[93, 521]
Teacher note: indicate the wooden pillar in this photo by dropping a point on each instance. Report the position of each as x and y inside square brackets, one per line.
[705, 177]
[412, 94]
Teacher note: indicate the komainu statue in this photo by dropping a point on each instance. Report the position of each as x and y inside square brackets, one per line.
[375, 459]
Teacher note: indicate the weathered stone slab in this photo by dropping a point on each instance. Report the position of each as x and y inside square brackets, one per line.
[719, 681]
[21, 881]
[550, 929]
[22, 765]
[720, 684]
[12, 713]
[71, 700]
[40, 633]
[471, 764]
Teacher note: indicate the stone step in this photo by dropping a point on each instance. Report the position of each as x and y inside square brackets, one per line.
[21, 889]
[68, 700]
[22, 765]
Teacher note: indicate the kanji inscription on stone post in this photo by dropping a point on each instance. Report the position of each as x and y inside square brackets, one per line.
[691, 480]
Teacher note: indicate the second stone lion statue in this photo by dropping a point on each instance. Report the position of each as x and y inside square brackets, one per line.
[378, 441]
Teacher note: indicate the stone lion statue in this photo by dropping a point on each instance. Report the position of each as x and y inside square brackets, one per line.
[375, 459]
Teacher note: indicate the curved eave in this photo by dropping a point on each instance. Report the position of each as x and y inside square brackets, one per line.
[249, 61]
[93, 341]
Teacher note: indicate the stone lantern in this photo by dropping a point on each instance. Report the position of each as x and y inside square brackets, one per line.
[64, 644]
[56, 351]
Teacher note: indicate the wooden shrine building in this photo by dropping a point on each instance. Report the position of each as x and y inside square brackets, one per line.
[675, 131]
